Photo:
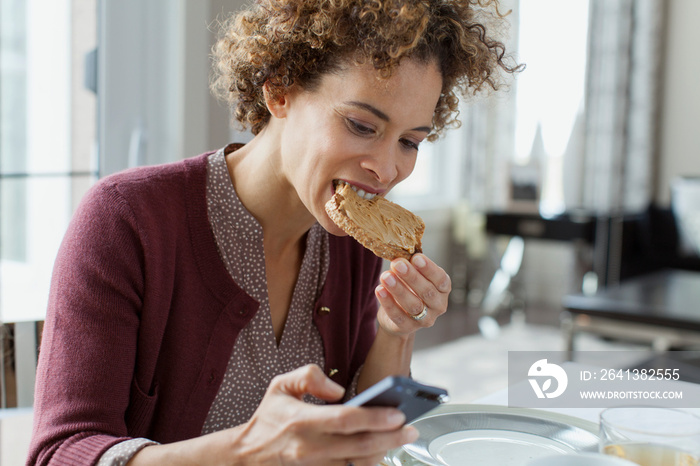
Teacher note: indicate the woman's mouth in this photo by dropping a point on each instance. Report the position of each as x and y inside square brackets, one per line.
[360, 192]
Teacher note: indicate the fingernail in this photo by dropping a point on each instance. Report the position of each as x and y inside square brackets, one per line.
[401, 267]
[335, 388]
[419, 261]
[389, 279]
[396, 417]
[382, 292]
[340, 391]
[411, 434]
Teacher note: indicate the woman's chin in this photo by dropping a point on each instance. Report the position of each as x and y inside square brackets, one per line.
[332, 228]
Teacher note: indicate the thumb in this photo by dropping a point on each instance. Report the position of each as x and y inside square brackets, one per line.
[307, 379]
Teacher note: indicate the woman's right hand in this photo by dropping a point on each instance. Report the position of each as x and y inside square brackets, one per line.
[286, 430]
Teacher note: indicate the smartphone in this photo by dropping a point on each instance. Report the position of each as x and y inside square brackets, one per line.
[412, 398]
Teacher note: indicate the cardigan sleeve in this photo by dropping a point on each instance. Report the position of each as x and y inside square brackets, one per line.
[86, 362]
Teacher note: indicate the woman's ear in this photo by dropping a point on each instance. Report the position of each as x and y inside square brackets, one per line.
[276, 102]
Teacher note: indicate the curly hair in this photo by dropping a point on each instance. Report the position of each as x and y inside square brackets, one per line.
[283, 42]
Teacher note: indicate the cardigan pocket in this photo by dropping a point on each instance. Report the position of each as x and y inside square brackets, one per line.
[139, 413]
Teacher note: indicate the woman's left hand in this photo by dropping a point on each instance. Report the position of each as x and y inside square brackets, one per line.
[412, 295]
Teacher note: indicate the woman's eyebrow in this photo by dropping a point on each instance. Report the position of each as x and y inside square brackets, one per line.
[381, 115]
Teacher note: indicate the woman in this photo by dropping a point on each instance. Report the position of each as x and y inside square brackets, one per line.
[201, 310]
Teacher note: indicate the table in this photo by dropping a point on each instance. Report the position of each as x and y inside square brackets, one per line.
[578, 229]
[660, 308]
[565, 227]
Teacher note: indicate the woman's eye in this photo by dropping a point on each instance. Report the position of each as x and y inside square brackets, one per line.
[359, 128]
[410, 144]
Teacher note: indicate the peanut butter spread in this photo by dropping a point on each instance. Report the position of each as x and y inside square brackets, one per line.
[386, 228]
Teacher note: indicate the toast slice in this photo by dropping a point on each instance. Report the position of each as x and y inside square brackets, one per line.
[383, 227]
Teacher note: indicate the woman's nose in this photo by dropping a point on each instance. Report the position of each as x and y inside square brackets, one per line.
[382, 164]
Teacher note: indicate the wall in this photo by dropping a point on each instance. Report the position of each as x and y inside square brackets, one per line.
[680, 106]
[220, 131]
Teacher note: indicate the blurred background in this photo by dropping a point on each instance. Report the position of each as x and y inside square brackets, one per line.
[577, 176]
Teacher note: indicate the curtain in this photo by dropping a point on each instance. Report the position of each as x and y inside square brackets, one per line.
[621, 120]
[625, 39]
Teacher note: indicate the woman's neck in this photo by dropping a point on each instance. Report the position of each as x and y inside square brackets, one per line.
[257, 174]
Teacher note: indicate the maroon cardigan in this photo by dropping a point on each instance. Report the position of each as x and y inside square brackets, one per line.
[143, 315]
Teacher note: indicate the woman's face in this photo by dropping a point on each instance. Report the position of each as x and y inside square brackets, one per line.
[357, 128]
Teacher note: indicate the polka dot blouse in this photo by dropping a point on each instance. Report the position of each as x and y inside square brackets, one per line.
[256, 357]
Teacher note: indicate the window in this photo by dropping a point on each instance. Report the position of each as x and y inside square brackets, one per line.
[552, 42]
[434, 182]
[419, 183]
[47, 139]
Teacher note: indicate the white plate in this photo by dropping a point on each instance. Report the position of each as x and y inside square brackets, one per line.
[474, 435]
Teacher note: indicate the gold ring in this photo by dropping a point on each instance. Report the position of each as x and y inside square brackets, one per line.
[422, 314]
